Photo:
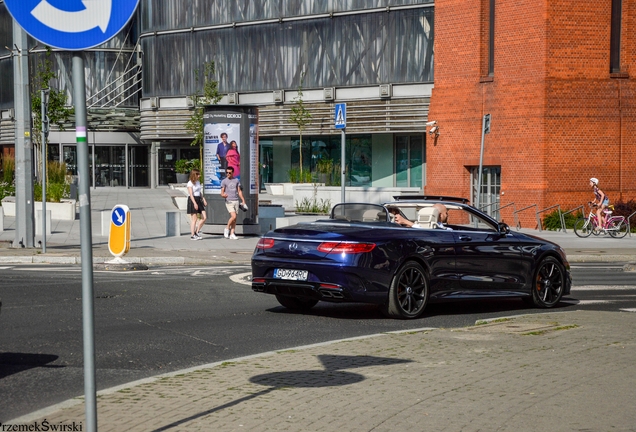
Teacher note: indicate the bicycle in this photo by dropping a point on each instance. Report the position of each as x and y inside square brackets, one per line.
[615, 226]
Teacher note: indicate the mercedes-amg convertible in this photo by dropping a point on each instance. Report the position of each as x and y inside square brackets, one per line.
[404, 254]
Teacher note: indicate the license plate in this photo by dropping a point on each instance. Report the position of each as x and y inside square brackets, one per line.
[290, 274]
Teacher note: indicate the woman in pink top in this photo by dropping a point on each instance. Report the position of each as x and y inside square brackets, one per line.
[233, 158]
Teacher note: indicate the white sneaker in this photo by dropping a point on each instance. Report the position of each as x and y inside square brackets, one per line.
[198, 236]
[226, 233]
[194, 237]
[233, 237]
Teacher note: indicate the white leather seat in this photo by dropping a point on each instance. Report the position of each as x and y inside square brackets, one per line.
[427, 217]
[370, 216]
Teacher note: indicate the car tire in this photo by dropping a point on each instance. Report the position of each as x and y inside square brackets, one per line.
[295, 303]
[408, 292]
[548, 283]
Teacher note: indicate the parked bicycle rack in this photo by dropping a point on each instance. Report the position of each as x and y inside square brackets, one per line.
[525, 208]
[502, 207]
[629, 225]
[561, 219]
[567, 212]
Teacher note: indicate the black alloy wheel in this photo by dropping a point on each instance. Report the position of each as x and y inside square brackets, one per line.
[408, 293]
[295, 303]
[549, 283]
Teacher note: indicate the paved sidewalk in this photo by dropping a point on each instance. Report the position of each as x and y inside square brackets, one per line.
[567, 371]
[149, 245]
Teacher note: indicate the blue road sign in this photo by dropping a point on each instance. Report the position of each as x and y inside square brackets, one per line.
[72, 25]
[118, 216]
[340, 116]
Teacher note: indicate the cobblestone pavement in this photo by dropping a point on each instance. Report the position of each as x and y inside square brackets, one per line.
[571, 371]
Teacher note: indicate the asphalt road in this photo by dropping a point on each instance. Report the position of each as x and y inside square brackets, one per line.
[170, 318]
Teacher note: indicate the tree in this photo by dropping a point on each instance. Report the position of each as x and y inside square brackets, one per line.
[59, 113]
[208, 95]
[301, 117]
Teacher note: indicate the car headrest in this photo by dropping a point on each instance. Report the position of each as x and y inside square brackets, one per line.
[428, 216]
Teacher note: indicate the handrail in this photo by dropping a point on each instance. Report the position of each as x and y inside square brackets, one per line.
[560, 217]
[568, 212]
[629, 225]
[525, 208]
[502, 207]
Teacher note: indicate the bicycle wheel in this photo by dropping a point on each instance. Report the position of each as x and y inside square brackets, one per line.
[618, 229]
[583, 227]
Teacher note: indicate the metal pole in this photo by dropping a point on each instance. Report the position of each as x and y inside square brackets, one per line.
[481, 162]
[24, 223]
[343, 165]
[44, 93]
[86, 238]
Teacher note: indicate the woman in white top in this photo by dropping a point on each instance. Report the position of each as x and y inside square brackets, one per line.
[196, 205]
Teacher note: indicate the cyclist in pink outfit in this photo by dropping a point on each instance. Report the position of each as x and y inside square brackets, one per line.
[600, 200]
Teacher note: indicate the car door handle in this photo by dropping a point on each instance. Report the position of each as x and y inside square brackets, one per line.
[465, 238]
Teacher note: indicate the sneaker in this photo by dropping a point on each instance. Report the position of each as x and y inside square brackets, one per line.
[194, 237]
[226, 233]
[233, 237]
[198, 235]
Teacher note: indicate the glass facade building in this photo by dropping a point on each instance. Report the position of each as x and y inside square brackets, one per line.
[376, 56]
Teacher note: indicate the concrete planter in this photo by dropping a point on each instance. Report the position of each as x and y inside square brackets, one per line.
[357, 194]
[64, 210]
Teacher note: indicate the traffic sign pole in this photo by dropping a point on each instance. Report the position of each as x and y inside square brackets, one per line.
[86, 240]
[340, 122]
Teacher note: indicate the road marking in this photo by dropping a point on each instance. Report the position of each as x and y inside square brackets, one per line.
[604, 288]
[4, 268]
[628, 310]
[242, 278]
[586, 302]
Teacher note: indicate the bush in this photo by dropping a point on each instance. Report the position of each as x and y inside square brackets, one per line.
[8, 169]
[54, 191]
[622, 208]
[295, 177]
[6, 189]
[184, 166]
[552, 221]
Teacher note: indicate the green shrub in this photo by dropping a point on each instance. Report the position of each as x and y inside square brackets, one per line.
[56, 172]
[54, 191]
[552, 221]
[6, 189]
[313, 206]
[295, 176]
[184, 166]
[8, 169]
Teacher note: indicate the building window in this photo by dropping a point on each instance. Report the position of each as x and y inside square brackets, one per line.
[615, 36]
[489, 199]
[410, 161]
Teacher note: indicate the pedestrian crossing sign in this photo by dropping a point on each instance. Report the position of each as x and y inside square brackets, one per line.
[340, 116]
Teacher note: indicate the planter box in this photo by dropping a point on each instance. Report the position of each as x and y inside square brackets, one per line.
[64, 210]
[353, 194]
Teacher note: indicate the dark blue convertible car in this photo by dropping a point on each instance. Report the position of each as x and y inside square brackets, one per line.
[361, 254]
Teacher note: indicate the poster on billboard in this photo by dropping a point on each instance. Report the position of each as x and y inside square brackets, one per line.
[221, 148]
[253, 156]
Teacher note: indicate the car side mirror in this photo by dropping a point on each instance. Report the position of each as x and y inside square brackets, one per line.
[504, 229]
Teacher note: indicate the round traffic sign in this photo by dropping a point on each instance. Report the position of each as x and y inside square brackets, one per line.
[118, 216]
[72, 24]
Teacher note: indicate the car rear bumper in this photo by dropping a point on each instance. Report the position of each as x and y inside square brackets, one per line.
[307, 290]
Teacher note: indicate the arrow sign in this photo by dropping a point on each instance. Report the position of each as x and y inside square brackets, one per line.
[72, 24]
[340, 116]
[119, 234]
[96, 14]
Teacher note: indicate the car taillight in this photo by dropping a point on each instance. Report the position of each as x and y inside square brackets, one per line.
[348, 248]
[265, 243]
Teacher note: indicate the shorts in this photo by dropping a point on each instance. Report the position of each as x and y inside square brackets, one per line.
[191, 209]
[232, 206]
[606, 202]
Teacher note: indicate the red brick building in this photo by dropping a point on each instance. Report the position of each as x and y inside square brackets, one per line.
[557, 78]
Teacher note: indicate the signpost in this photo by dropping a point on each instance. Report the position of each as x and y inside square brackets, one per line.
[79, 26]
[340, 121]
[119, 234]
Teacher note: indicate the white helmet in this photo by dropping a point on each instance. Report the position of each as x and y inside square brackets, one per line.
[594, 180]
